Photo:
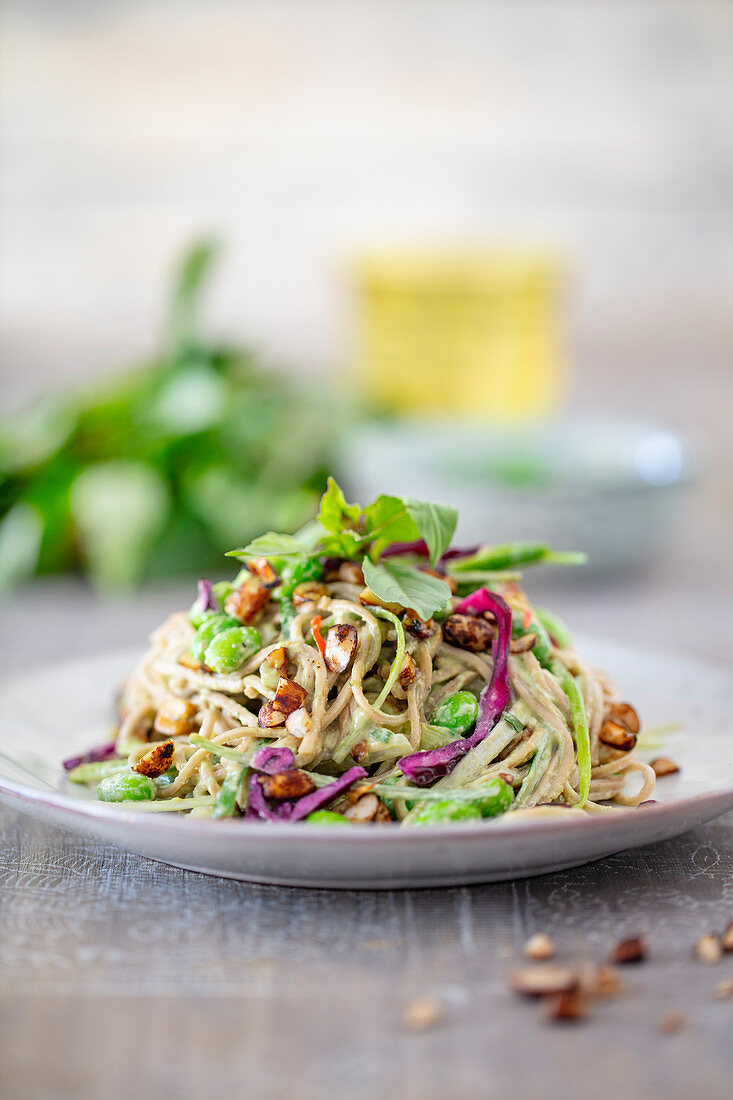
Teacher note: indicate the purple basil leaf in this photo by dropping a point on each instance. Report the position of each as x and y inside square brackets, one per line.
[273, 759]
[262, 808]
[312, 802]
[423, 768]
[93, 756]
[205, 601]
[420, 547]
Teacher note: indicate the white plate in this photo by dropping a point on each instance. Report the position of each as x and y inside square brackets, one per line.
[51, 713]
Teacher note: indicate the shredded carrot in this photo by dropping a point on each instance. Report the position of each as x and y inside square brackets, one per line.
[317, 637]
[527, 618]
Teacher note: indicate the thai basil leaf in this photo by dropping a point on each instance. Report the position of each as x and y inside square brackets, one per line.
[394, 582]
[436, 523]
[271, 545]
[336, 513]
[387, 520]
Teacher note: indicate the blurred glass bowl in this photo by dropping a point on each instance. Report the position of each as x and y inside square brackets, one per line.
[605, 485]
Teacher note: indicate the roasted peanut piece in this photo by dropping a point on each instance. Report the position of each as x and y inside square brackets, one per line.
[341, 642]
[175, 717]
[539, 947]
[523, 644]
[468, 632]
[308, 592]
[422, 1014]
[190, 662]
[359, 751]
[662, 765]
[277, 659]
[408, 673]
[541, 981]
[269, 716]
[632, 950]
[565, 1007]
[350, 572]
[626, 716]
[264, 572]
[292, 783]
[617, 736]
[157, 761]
[364, 810]
[709, 949]
[247, 602]
[289, 696]
[299, 724]
[416, 626]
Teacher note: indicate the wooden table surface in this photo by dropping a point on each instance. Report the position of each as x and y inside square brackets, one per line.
[120, 976]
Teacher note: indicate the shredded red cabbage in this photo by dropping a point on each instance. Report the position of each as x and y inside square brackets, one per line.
[259, 804]
[205, 601]
[273, 759]
[423, 768]
[420, 547]
[296, 811]
[314, 801]
[101, 752]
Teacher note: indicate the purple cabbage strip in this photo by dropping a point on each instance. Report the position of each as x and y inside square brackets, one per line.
[309, 803]
[101, 752]
[273, 759]
[420, 547]
[262, 808]
[205, 601]
[423, 768]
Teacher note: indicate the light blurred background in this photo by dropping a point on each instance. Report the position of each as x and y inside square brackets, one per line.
[580, 154]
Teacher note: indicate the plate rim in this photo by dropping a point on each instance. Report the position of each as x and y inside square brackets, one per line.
[16, 791]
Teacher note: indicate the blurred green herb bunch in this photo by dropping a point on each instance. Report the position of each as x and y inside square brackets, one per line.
[160, 470]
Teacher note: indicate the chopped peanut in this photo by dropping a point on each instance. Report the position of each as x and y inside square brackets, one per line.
[366, 809]
[247, 602]
[625, 715]
[264, 572]
[269, 716]
[292, 783]
[157, 761]
[617, 736]
[632, 950]
[175, 717]
[709, 948]
[468, 632]
[416, 626]
[662, 765]
[289, 696]
[341, 642]
[308, 592]
[299, 723]
[541, 981]
[409, 671]
[539, 947]
[422, 1014]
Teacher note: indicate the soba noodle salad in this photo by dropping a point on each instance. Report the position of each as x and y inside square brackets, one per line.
[364, 671]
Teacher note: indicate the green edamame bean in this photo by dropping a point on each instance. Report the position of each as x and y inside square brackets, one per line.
[326, 817]
[228, 649]
[126, 788]
[220, 591]
[310, 569]
[496, 801]
[457, 713]
[210, 627]
[446, 813]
